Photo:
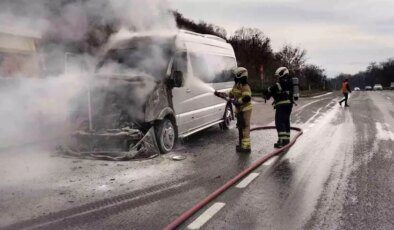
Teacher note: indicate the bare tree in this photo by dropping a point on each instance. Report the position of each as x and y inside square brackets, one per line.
[312, 77]
[293, 58]
[253, 50]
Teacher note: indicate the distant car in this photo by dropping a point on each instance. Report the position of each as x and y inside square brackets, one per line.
[368, 88]
[377, 87]
[392, 85]
[356, 89]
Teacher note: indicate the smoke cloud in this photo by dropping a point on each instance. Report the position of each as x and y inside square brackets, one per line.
[71, 19]
[71, 35]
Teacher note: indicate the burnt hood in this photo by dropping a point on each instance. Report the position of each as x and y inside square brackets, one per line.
[113, 101]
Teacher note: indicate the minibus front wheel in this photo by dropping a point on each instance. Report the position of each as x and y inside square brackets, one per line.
[166, 135]
[228, 118]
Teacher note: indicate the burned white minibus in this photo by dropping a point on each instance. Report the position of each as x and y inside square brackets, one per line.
[161, 83]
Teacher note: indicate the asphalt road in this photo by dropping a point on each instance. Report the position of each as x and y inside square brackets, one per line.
[339, 174]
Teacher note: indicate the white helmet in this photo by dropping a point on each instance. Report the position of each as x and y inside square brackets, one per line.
[240, 72]
[281, 71]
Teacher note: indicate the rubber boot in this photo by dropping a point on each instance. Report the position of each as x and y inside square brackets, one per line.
[285, 142]
[278, 144]
[242, 150]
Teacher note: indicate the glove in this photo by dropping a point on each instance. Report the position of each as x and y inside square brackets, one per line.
[236, 103]
[220, 94]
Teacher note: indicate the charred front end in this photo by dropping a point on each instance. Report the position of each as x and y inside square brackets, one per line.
[109, 116]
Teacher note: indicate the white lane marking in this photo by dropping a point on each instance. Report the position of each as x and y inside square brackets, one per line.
[322, 95]
[270, 161]
[314, 115]
[245, 182]
[310, 103]
[205, 216]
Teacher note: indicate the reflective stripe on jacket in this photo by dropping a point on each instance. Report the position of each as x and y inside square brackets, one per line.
[282, 102]
[280, 96]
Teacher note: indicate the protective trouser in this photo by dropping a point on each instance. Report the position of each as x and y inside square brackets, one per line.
[346, 95]
[243, 124]
[282, 121]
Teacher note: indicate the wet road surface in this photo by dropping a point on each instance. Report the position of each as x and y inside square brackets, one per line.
[338, 175]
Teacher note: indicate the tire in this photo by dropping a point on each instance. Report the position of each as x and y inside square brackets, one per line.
[166, 135]
[228, 118]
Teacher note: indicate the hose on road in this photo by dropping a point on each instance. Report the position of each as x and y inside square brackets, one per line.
[186, 215]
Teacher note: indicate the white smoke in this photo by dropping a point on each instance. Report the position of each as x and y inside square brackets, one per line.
[39, 108]
[70, 19]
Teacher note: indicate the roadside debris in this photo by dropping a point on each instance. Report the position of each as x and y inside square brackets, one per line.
[178, 157]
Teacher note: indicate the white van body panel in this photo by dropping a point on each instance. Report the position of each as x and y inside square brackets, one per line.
[195, 104]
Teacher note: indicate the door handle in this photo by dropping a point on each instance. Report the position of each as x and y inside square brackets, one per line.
[188, 90]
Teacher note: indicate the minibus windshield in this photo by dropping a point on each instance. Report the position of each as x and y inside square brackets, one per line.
[142, 56]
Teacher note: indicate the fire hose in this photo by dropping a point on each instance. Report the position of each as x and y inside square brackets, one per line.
[186, 215]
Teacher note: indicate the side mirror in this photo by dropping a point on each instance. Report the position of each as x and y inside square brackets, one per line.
[177, 79]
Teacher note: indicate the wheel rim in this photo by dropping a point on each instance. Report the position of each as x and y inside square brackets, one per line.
[168, 135]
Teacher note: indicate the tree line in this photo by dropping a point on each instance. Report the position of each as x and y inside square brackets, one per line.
[375, 73]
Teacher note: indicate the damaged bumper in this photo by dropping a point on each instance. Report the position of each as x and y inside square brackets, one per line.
[115, 144]
[117, 135]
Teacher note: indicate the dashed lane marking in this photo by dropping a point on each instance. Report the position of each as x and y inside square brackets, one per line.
[270, 161]
[206, 216]
[246, 181]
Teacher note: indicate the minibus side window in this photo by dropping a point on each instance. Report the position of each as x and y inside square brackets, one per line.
[212, 68]
[224, 73]
[200, 67]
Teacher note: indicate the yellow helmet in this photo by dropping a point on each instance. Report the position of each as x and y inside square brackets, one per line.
[240, 72]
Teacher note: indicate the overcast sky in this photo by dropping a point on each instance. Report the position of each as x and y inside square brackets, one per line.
[340, 36]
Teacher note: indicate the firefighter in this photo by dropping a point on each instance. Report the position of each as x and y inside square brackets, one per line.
[282, 92]
[345, 90]
[241, 97]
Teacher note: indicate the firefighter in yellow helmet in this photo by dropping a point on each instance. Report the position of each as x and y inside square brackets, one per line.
[241, 97]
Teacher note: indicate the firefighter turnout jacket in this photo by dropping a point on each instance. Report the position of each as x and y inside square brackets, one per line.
[242, 94]
[282, 91]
